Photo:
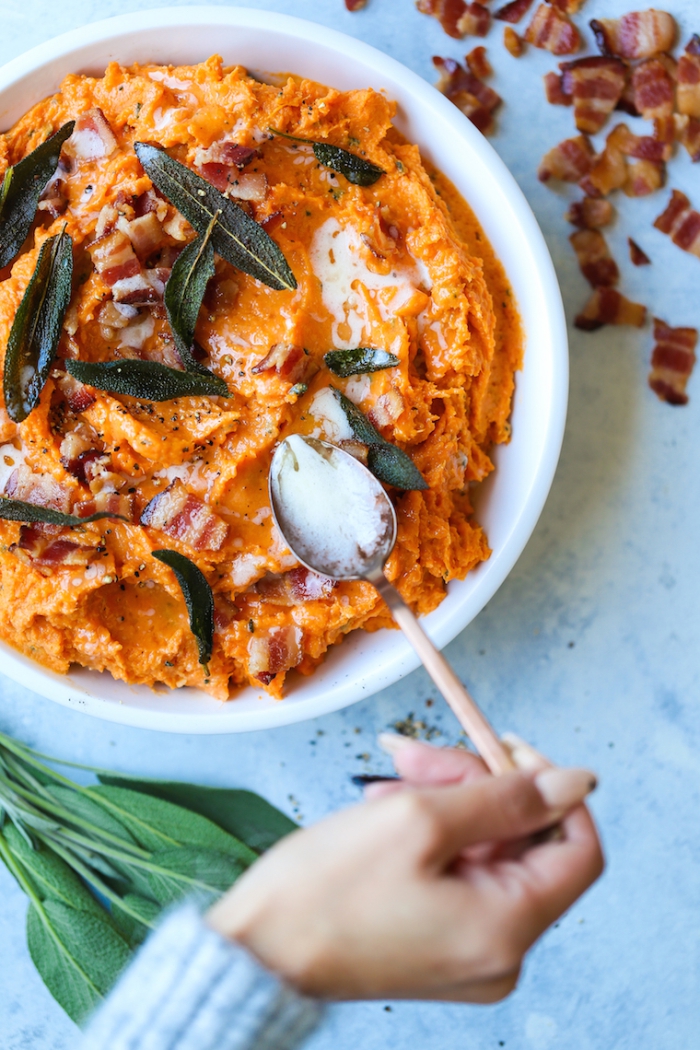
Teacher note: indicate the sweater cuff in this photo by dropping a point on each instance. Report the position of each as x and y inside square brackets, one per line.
[190, 989]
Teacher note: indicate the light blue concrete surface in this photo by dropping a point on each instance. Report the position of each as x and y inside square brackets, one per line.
[591, 649]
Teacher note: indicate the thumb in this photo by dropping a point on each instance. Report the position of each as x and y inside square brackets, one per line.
[500, 808]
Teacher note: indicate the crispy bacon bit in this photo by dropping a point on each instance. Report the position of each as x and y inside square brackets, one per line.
[644, 177]
[689, 79]
[37, 548]
[222, 163]
[640, 34]
[626, 103]
[114, 258]
[608, 306]
[569, 7]
[475, 21]
[92, 137]
[687, 131]
[590, 213]
[77, 444]
[637, 256]
[610, 169]
[386, 409]
[149, 201]
[552, 31]
[41, 489]
[355, 5]
[595, 261]
[513, 11]
[569, 161]
[272, 651]
[513, 43]
[286, 359]
[456, 17]
[653, 89]
[478, 63]
[475, 99]
[357, 449]
[596, 85]
[185, 516]
[145, 233]
[54, 199]
[672, 362]
[295, 587]
[107, 502]
[554, 90]
[79, 397]
[682, 223]
[251, 187]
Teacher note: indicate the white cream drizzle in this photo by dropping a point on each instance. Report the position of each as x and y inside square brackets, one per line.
[10, 460]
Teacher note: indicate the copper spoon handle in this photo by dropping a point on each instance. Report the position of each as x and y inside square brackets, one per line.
[468, 714]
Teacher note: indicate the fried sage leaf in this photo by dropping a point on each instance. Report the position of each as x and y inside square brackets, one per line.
[234, 235]
[184, 293]
[22, 187]
[29, 513]
[147, 380]
[36, 328]
[386, 461]
[198, 599]
[356, 169]
[344, 363]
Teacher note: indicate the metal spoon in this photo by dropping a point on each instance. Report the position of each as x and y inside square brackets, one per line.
[306, 497]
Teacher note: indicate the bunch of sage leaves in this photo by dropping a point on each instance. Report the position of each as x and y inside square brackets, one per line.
[99, 862]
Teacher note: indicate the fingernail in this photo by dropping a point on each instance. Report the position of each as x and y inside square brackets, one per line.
[363, 781]
[562, 789]
[392, 742]
[523, 754]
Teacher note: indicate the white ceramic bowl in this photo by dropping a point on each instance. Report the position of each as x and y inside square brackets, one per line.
[509, 504]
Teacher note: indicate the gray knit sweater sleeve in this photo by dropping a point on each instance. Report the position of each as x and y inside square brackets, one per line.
[190, 989]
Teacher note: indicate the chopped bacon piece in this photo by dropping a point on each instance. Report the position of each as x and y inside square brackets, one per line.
[687, 131]
[595, 261]
[92, 137]
[626, 103]
[569, 161]
[274, 650]
[682, 223]
[41, 489]
[637, 256]
[475, 99]
[569, 7]
[250, 187]
[689, 79]
[53, 199]
[644, 177]
[141, 290]
[552, 31]
[114, 258]
[590, 213]
[458, 18]
[653, 89]
[356, 448]
[639, 34]
[513, 11]
[355, 5]
[145, 233]
[513, 43]
[78, 396]
[149, 201]
[475, 21]
[610, 169]
[555, 92]
[665, 135]
[185, 516]
[478, 63]
[37, 548]
[386, 409]
[76, 444]
[106, 502]
[286, 359]
[608, 306]
[596, 85]
[295, 587]
[222, 163]
[672, 362]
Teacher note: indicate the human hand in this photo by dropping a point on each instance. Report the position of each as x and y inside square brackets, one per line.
[432, 889]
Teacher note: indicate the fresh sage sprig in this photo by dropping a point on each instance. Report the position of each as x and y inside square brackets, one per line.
[147, 380]
[29, 513]
[387, 462]
[100, 862]
[198, 599]
[363, 359]
[37, 326]
[22, 187]
[356, 169]
[234, 235]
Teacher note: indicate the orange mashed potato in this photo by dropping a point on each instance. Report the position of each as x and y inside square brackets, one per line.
[401, 265]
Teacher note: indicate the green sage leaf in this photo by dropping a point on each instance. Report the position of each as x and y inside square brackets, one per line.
[83, 808]
[356, 169]
[79, 955]
[146, 380]
[205, 872]
[18, 510]
[37, 326]
[245, 815]
[234, 235]
[198, 599]
[51, 877]
[22, 187]
[386, 461]
[344, 363]
[133, 931]
[184, 292]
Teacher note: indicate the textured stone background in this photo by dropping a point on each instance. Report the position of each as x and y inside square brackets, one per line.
[590, 649]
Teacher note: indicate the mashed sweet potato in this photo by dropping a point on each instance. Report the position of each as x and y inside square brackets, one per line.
[400, 265]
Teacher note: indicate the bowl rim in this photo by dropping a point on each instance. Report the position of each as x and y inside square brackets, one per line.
[68, 690]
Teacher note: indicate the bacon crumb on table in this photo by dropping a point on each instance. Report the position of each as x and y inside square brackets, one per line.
[570, 161]
[687, 132]
[554, 90]
[681, 222]
[639, 34]
[590, 213]
[595, 85]
[568, 7]
[672, 361]
[475, 99]
[653, 89]
[513, 11]
[595, 261]
[608, 306]
[638, 257]
[458, 18]
[552, 31]
[355, 5]
[689, 79]
[513, 43]
[478, 63]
